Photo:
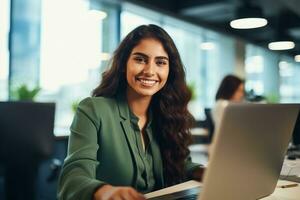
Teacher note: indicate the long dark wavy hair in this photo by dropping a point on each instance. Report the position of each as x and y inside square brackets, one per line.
[172, 118]
[228, 86]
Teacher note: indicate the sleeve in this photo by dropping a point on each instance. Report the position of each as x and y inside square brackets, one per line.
[78, 177]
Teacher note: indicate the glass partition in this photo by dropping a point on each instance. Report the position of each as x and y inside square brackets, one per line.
[73, 53]
[262, 76]
[289, 72]
[4, 53]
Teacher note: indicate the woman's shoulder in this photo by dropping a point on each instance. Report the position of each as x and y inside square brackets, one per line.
[98, 107]
[98, 102]
[219, 108]
[221, 103]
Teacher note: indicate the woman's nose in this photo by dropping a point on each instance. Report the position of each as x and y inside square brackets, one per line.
[149, 68]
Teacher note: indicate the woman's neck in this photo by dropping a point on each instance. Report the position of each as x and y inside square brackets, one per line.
[138, 105]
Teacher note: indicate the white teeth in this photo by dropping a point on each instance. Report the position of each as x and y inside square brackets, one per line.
[147, 82]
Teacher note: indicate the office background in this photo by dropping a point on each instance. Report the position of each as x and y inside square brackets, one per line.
[63, 46]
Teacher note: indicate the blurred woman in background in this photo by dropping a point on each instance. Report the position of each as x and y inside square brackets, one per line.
[231, 89]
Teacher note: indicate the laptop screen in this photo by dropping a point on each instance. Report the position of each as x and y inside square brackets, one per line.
[248, 151]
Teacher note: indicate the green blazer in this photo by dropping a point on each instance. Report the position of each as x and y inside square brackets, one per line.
[100, 150]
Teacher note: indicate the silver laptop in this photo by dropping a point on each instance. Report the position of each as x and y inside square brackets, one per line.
[248, 151]
[246, 155]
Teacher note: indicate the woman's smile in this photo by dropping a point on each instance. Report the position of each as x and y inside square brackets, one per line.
[146, 82]
[147, 68]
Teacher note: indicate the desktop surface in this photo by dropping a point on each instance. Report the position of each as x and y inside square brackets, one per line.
[285, 190]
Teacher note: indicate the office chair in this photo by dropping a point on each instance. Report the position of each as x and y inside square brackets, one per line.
[209, 123]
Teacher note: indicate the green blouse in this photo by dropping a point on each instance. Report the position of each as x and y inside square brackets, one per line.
[145, 177]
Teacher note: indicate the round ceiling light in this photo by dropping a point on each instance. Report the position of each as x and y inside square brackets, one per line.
[281, 45]
[248, 23]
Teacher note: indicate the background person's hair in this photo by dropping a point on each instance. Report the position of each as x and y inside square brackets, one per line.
[172, 119]
[228, 86]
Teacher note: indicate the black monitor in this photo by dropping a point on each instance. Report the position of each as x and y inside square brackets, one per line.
[26, 138]
[296, 133]
[26, 128]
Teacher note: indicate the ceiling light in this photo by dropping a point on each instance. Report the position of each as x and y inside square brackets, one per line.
[281, 45]
[248, 23]
[297, 58]
[248, 17]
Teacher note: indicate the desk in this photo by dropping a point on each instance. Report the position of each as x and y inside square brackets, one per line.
[292, 193]
[290, 167]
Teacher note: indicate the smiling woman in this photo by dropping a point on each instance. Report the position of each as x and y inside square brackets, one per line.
[132, 136]
[147, 68]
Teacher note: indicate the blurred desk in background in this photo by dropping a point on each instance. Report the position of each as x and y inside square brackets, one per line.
[200, 135]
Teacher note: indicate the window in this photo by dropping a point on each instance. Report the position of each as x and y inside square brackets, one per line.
[188, 39]
[262, 75]
[4, 53]
[73, 53]
[133, 16]
[24, 44]
[289, 72]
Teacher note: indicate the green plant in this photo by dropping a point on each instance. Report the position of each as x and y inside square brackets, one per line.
[273, 98]
[74, 105]
[23, 93]
[192, 89]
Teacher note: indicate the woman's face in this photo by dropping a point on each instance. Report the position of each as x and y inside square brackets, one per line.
[147, 68]
[239, 93]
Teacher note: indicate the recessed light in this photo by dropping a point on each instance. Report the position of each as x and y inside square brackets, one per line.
[248, 23]
[281, 45]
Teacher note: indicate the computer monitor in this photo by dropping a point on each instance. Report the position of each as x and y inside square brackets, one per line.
[26, 128]
[26, 138]
[296, 132]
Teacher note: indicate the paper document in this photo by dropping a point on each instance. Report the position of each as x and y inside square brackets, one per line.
[182, 189]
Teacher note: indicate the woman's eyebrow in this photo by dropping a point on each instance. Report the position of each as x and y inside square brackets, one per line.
[140, 54]
[146, 56]
[162, 57]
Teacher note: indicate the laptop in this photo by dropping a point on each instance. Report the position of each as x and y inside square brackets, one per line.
[247, 153]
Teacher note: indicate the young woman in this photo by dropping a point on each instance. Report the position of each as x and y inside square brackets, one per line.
[132, 136]
[230, 89]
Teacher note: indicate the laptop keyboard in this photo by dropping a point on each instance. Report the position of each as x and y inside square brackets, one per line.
[190, 197]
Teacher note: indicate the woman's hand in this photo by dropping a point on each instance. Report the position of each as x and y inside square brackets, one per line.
[108, 192]
[198, 173]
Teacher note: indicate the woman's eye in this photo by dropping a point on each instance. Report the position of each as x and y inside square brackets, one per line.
[140, 59]
[161, 62]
